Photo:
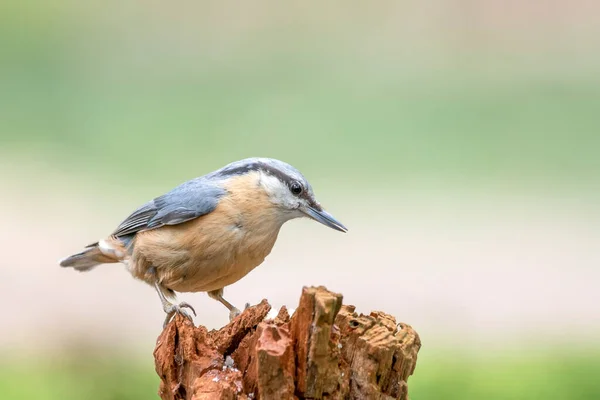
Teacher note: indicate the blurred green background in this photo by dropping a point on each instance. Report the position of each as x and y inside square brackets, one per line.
[458, 140]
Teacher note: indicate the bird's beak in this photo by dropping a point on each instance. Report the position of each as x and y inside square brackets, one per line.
[324, 217]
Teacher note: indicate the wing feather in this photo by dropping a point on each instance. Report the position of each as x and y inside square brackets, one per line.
[187, 201]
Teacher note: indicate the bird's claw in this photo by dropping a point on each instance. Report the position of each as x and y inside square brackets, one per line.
[173, 309]
[235, 312]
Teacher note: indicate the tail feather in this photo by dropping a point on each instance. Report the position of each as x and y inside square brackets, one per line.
[87, 259]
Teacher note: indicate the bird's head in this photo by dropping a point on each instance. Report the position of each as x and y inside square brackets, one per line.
[287, 189]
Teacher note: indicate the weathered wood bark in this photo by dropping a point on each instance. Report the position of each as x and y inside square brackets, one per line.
[325, 350]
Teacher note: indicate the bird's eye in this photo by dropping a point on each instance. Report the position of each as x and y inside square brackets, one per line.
[296, 188]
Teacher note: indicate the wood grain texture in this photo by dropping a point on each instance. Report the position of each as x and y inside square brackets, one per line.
[324, 351]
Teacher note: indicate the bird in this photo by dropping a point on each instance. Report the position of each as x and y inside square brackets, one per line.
[209, 232]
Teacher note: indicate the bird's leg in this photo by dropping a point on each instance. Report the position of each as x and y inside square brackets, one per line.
[172, 309]
[233, 311]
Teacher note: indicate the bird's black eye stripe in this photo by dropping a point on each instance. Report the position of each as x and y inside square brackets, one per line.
[296, 187]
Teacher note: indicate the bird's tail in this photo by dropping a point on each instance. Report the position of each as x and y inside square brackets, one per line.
[95, 254]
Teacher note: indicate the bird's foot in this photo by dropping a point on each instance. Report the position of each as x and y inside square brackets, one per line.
[235, 312]
[172, 309]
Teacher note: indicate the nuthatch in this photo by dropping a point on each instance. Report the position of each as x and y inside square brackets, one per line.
[209, 232]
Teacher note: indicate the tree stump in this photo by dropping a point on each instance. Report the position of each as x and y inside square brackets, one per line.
[325, 350]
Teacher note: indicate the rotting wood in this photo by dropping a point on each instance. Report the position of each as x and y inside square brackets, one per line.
[325, 350]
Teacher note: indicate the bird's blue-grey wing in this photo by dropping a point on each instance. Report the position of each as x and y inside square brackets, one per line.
[187, 201]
